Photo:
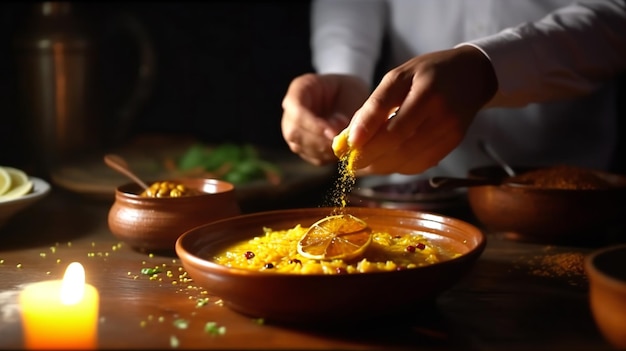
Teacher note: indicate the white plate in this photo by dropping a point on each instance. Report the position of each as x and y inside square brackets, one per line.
[9, 208]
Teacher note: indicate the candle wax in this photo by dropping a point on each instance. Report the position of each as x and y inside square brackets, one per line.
[48, 323]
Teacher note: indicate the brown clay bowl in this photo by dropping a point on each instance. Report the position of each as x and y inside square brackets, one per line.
[154, 224]
[547, 215]
[606, 270]
[303, 299]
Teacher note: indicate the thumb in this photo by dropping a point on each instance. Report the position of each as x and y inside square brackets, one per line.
[375, 112]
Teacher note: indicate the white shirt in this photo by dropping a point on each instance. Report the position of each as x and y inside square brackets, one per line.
[558, 65]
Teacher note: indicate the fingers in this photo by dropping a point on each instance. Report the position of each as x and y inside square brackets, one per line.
[306, 130]
[383, 101]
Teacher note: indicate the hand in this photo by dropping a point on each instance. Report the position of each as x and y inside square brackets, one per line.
[315, 109]
[436, 96]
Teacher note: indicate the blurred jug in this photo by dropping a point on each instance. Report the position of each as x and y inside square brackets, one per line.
[58, 65]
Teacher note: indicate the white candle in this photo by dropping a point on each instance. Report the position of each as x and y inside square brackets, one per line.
[60, 314]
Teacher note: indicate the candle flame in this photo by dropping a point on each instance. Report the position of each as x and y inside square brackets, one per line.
[73, 285]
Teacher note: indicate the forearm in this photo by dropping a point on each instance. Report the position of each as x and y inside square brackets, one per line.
[568, 53]
[346, 36]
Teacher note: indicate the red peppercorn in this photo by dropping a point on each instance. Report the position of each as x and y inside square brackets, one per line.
[340, 270]
[249, 254]
[410, 248]
[421, 246]
[269, 265]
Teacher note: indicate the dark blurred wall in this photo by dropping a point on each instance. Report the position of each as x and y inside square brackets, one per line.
[222, 68]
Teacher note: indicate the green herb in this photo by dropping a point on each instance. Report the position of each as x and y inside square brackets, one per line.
[174, 341]
[181, 323]
[214, 329]
[237, 164]
[150, 271]
[259, 321]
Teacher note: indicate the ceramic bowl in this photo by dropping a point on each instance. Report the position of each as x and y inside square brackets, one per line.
[606, 270]
[415, 195]
[547, 215]
[9, 208]
[154, 224]
[301, 299]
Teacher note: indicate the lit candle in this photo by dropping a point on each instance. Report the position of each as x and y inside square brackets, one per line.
[60, 314]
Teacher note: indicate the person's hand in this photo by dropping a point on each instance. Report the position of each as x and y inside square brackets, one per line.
[315, 109]
[436, 96]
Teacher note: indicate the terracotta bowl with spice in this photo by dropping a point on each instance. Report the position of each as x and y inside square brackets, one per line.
[606, 270]
[284, 287]
[151, 222]
[559, 204]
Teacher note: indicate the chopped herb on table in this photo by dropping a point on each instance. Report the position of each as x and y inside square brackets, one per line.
[150, 271]
[214, 329]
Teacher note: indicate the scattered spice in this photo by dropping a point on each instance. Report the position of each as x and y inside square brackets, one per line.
[563, 177]
[564, 265]
[570, 264]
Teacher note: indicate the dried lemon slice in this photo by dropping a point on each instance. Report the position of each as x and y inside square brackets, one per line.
[336, 237]
[5, 181]
[19, 184]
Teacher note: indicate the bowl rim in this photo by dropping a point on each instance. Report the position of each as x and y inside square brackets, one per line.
[594, 272]
[537, 189]
[182, 251]
[40, 189]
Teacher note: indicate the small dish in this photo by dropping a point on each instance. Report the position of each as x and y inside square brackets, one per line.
[10, 208]
[606, 270]
[415, 195]
[154, 224]
[315, 298]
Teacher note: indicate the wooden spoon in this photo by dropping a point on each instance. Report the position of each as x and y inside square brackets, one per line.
[119, 164]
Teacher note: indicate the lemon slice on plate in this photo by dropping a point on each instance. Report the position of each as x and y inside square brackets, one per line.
[19, 184]
[336, 237]
[5, 181]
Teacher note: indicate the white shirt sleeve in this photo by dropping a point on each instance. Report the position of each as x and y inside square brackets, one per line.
[569, 52]
[347, 37]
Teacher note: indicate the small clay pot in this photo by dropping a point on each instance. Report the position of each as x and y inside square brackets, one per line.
[606, 270]
[547, 215]
[154, 224]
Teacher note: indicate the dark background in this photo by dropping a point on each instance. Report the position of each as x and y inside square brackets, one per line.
[222, 67]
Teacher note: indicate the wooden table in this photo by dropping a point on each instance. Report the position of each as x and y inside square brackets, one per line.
[515, 298]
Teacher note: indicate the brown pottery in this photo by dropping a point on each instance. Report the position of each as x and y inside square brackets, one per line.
[547, 215]
[150, 223]
[314, 298]
[606, 269]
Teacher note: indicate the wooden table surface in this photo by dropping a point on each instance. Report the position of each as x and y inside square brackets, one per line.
[517, 297]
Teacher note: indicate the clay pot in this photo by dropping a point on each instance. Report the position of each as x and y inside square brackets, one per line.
[547, 215]
[606, 270]
[324, 298]
[154, 224]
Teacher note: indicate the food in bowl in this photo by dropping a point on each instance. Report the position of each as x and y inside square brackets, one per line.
[563, 177]
[154, 223]
[560, 205]
[276, 251]
[168, 189]
[324, 298]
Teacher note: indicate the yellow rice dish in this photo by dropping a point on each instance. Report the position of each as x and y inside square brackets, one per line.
[276, 251]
